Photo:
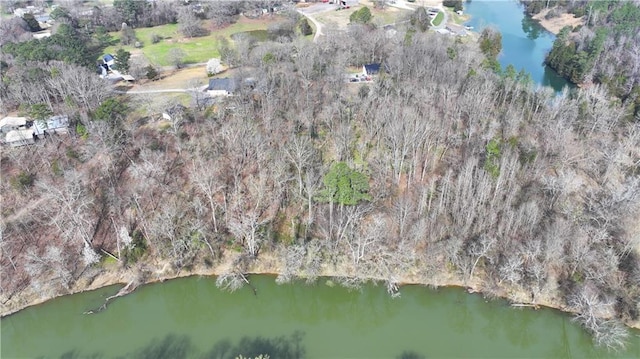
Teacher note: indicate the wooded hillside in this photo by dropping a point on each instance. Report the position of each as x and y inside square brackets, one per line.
[437, 166]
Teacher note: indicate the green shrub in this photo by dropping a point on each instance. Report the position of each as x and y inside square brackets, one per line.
[56, 169]
[155, 38]
[72, 153]
[23, 180]
[362, 16]
[151, 72]
[492, 157]
[305, 28]
[137, 249]
[81, 130]
[452, 53]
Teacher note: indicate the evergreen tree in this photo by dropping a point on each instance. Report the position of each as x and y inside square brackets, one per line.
[122, 60]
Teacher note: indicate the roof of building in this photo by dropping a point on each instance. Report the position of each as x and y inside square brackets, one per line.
[19, 135]
[222, 84]
[41, 34]
[52, 123]
[108, 57]
[372, 68]
[456, 29]
[43, 18]
[13, 121]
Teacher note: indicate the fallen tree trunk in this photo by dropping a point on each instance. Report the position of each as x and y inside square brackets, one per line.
[127, 289]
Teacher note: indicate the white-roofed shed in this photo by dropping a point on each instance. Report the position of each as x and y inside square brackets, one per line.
[12, 123]
[20, 137]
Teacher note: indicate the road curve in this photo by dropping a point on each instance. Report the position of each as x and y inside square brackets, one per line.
[317, 24]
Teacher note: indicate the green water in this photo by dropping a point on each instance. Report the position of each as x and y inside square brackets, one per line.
[190, 317]
[525, 43]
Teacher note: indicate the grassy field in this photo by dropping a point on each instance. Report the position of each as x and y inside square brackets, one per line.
[389, 15]
[198, 49]
[340, 18]
[438, 20]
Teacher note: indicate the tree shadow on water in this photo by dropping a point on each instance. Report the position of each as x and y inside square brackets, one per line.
[408, 354]
[277, 347]
[74, 354]
[170, 347]
[180, 347]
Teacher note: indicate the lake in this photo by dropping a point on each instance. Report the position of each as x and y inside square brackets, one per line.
[524, 42]
[191, 318]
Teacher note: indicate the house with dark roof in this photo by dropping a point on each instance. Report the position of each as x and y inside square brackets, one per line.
[222, 87]
[109, 60]
[371, 69]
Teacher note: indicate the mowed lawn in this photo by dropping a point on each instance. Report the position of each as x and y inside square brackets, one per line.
[438, 20]
[340, 18]
[197, 49]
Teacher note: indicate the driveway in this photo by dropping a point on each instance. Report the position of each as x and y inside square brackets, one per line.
[318, 25]
[319, 8]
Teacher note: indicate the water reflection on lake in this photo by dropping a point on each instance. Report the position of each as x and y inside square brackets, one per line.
[524, 42]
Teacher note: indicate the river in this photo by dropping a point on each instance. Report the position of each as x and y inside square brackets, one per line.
[524, 42]
[190, 317]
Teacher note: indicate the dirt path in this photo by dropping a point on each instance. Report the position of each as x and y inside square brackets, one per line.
[318, 27]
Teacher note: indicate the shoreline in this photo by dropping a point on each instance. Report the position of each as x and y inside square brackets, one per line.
[555, 24]
[269, 266]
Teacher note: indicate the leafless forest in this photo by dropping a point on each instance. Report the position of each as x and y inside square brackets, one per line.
[438, 166]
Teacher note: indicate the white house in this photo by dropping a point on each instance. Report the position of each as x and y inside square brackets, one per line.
[20, 12]
[17, 138]
[12, 123]
[41, 34]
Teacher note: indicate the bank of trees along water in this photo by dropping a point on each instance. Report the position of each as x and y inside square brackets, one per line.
[605, 50]
[437, 167]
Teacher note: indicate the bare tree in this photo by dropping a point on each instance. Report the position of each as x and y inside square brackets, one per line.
[300, 153]
[189, 24]
[592, 309]
[176, 57]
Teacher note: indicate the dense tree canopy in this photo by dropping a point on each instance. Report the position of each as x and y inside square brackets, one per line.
[362, 16]
[345, 186]
[67, 44]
